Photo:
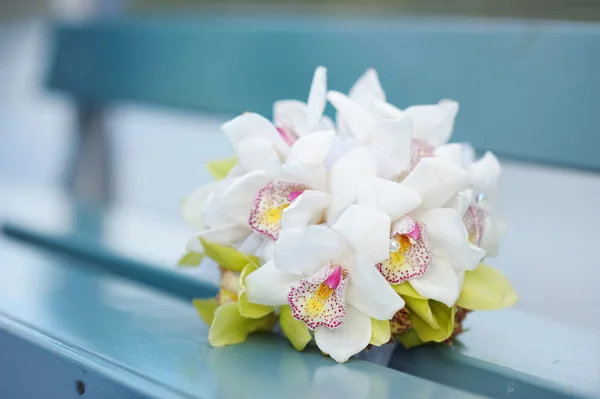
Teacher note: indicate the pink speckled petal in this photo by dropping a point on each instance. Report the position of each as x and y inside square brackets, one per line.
[319, 299]
[412, 263]
[267, 210]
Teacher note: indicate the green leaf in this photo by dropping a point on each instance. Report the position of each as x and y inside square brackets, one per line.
[416, 303]
[191, 259]
[381, 332]
[410, 339]
[406, 290]
[229, 327]
[247, 308]
[226, 257]
[445, 319]
[295, 330]
[485, 288]
[422, 308]
[206, 308]
[220, 168]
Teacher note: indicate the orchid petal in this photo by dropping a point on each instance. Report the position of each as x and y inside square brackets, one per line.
[367, 230]
[291, 116]
[256, 154]
[392, 198]
[356, 118]
[461, 202]
[345, 172]
[192, 206]
[369, 291]
[269, 285]
[227, 234]
[439, 282]
[251, 125]
[348, 339]
[434, 123]
[312, 149]
[236, 201]
[484, 173]
[247, 308]
[448, 238]
[391, 146]
[436, 181]
[387, 110]
[316, 100]
[367, 89]
[452, 152]
[304, 251]
[308, 208]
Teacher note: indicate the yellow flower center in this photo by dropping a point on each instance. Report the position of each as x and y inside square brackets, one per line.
[274, 215]
[317, 301]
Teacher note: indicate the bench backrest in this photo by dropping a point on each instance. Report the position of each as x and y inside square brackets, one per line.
[528, 90]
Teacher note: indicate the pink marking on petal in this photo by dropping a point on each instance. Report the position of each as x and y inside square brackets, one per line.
[287, 137]
[413, 257]
[269, 204]
[316, 303]
[294, 194]
[334, 278]
[415, 234]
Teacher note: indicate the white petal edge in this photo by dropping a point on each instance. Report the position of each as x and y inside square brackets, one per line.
[192, 206]
[348, 339]
[484, 173]
[344, 174]
[291, 114]
[305, 251]
[448, 237]
[269, 286]
[370, 292]
[434, 123]
[367, 89]
[317, 99]
[439, 282]
[252, 125]
[308, 208]
[390, 144]
[256, 154]
[312, 149]
[392, 198]
[366, 230]
[436, 181]
[453, 152]
[236, 201]
[356, 119]
[226, 235]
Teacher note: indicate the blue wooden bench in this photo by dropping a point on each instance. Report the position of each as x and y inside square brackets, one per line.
[516, 83]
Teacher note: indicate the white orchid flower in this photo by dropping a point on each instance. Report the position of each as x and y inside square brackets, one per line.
[483, 224]
[294, 118]
[387, 140]
[428, 245]
[432, 125]
[327, 275]
[245, 211]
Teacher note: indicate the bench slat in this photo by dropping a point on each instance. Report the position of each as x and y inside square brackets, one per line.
[528, 90]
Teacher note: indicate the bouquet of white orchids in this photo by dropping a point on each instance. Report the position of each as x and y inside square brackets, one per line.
[352, 234]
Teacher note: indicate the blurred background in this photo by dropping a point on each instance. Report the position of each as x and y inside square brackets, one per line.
[158, 155]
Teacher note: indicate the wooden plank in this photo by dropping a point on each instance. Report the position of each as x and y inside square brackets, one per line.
[122, 339]
[527, 89]
[510, 352]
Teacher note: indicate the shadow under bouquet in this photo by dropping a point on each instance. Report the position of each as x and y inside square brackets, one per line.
[352, 234]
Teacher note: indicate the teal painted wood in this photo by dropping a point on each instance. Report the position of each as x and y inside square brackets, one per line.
[495, 359]
[125, 340]
[528, 89]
